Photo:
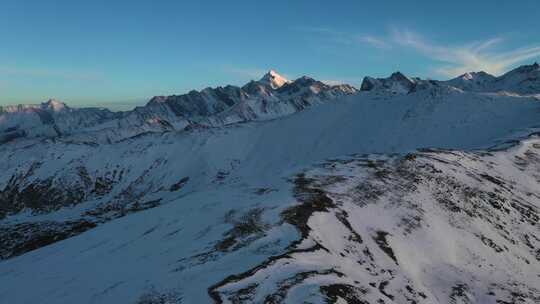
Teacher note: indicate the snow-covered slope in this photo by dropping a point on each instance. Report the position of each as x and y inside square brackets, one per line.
[428, 227]
[332, 203]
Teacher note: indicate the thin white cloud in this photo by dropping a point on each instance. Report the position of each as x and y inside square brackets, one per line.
[346, 38]
[460, 59]
[375, 42]
[454, 60]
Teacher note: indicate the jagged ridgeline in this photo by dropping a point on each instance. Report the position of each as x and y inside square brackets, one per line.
[271, 97]
[280, 191]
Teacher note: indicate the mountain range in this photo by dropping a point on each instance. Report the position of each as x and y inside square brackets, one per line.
[406, 190]
[270, 97]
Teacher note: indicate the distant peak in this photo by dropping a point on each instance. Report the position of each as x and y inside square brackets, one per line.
[274, 79]
[476, 76]
[399, 76]
[396, 83]
[467, 76]
[305, 79]
[471, 75]
[273, 73]
[54, 104]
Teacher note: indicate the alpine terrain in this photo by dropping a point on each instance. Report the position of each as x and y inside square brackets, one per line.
[406, 190]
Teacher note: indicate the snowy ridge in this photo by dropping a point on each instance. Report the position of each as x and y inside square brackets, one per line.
[49, 119]
[429, 227]
[524, 80]
[474, 81]
[271, 97]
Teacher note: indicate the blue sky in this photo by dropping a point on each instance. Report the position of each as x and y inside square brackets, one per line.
[123, 52]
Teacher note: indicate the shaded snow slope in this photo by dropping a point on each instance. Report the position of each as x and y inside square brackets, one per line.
[173, 215]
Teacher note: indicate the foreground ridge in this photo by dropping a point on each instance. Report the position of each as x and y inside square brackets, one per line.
[428, 227]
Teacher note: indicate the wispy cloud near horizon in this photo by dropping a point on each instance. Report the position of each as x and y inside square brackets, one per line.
[374, 41]
[487, 55]
[459, 59]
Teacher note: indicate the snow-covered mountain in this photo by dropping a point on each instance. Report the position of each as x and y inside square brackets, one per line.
[271, 97]
[274, 80]
[422, 193]
[50, 119]
[473, 81]
[524, 80]
[397, 83]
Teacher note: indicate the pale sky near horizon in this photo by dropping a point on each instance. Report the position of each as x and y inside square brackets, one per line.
[121, 53]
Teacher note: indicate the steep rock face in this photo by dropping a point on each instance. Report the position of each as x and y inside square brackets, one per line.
[397, 83]
[204, 103]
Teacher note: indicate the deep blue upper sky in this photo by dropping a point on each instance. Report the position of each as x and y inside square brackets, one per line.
[97, 52]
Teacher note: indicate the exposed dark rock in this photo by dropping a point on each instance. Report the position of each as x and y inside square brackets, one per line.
[21, 238]
[180, 184]
[381, 239]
